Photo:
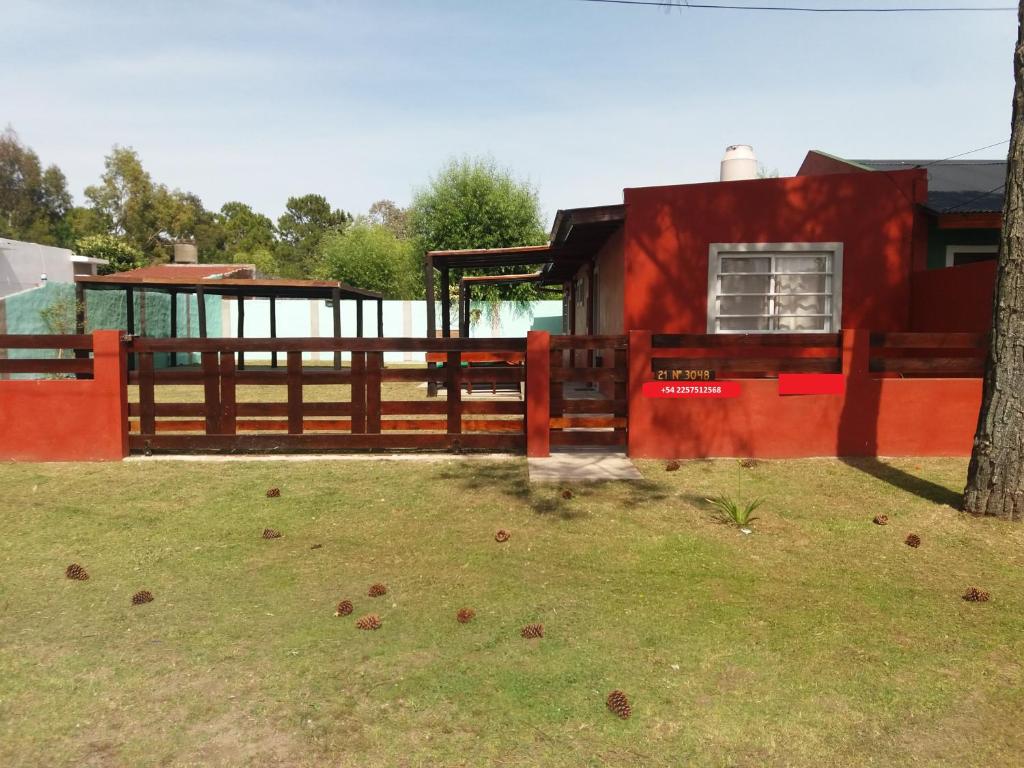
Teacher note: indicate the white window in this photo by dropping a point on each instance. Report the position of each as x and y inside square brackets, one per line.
[775, 287]
[969, 254]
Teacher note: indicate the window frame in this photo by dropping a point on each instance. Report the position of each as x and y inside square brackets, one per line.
[717, 250]
[953, 250]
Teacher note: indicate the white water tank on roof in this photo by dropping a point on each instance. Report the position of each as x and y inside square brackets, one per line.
[739, 163]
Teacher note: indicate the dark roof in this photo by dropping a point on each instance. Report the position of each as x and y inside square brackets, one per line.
[279, 289]
[955, 186]
[192, 271]
[576, 236]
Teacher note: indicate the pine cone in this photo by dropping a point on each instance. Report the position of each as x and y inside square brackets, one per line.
[376, 590]
[76, 572]
[672, 466]
[881, 520]
[317, 546]
[913, 540]
[273, 493]
[502, 536]
[465, 615]
[270, 533]
[142, 596]
[619, 704]
[748, 463]
[531, 631]
[369, 621]
[975, 595]
[344, 608]
[567, 494]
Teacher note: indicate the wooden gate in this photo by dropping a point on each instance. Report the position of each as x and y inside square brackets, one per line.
[589, 405]
[361, 403]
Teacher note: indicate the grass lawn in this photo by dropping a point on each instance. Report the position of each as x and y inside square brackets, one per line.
[820, 640]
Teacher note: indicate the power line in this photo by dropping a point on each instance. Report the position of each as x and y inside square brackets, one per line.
[962, 154]
[974, 199]
[804, 9]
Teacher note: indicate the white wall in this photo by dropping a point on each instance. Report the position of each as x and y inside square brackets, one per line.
[302, 318]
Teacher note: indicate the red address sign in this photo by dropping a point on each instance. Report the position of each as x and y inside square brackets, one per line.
[674, 389]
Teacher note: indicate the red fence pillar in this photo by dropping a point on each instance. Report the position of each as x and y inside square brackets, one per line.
[538, 393]
[638, 353]
[856, 353]
[110, 378]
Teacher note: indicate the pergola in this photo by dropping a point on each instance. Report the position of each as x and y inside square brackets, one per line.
[240, 289]
[577, 235]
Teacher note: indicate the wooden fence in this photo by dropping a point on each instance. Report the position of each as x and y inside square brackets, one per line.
[588, 401]
[929, 355]
[747, 356]
[363, 421]
[73, 355]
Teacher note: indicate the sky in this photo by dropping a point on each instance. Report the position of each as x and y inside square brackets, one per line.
[360, 100]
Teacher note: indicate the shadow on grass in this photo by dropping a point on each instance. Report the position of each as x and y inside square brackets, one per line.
[512, 479]
[898, 478]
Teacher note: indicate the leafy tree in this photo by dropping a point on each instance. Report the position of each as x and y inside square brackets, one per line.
[369, 255]
[995, 477]
[472, 203]
[389, 215]
[245, 230]
[147, 215]
[126, 200]
[121, 254]
[261, 258]
[33, 201]
[301, 227]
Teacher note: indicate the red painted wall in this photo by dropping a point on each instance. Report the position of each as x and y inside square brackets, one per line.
[669, 230]
[954, 298]
[874, 417]
[68, 419]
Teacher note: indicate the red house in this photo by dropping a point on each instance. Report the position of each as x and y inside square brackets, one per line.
[878, 246]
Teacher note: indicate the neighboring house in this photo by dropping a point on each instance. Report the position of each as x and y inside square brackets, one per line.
[24, 266]
[843, 244]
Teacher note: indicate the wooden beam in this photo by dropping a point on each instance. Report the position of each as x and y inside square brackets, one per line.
[446, 303]
[428, 284]
[463, 309]
[380, 318]
[273, 329]
[336, 316]
[201, 311]
[174, 324]
[359, 318]
[241, 330]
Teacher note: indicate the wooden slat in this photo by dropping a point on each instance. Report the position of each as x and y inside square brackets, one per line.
[978, 341]
[561, 341]
[294, 393]
[748, 352]
[45, 341]
[586, 374]
[211, 391]
[334, 442]
[659, 340]
[228, 402]
[733, 366]
[326, 344]
[588, 422]
[453, 391]
[493, 407]
[147, 401]
[590, 406]
[606, 438]
[358, 392]
[439, 375]
[45, 365]
[936, 366]
[374, 364]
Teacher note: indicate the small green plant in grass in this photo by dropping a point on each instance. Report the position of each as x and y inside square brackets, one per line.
[732, 511]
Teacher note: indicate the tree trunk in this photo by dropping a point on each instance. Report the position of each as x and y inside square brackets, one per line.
[995, 479]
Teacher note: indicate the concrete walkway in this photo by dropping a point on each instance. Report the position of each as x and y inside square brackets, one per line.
[582, 466]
